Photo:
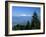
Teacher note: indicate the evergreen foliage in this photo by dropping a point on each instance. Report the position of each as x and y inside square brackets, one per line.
[35, 22]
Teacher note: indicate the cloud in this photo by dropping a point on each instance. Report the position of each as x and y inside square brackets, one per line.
[23, 15]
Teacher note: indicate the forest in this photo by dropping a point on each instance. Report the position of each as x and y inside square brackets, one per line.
[35, 24]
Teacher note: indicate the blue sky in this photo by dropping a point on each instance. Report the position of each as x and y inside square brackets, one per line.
[24, 11]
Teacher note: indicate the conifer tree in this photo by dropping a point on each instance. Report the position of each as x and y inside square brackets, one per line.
[35, 24]
[27, 25]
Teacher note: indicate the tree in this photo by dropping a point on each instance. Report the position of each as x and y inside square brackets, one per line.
[35, 24]
[16, 27]
[27, 25]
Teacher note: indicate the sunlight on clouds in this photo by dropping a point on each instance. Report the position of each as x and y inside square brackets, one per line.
[24, 15]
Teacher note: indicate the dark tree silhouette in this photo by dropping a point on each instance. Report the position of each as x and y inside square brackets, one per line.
[27, 25]
[16, 27]
[35, 21]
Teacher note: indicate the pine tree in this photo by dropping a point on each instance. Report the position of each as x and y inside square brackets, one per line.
[27, 25]
[35, 24]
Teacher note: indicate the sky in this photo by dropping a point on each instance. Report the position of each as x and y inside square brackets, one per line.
[24, 11]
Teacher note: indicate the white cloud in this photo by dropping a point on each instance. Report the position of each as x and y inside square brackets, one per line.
[24, 15]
